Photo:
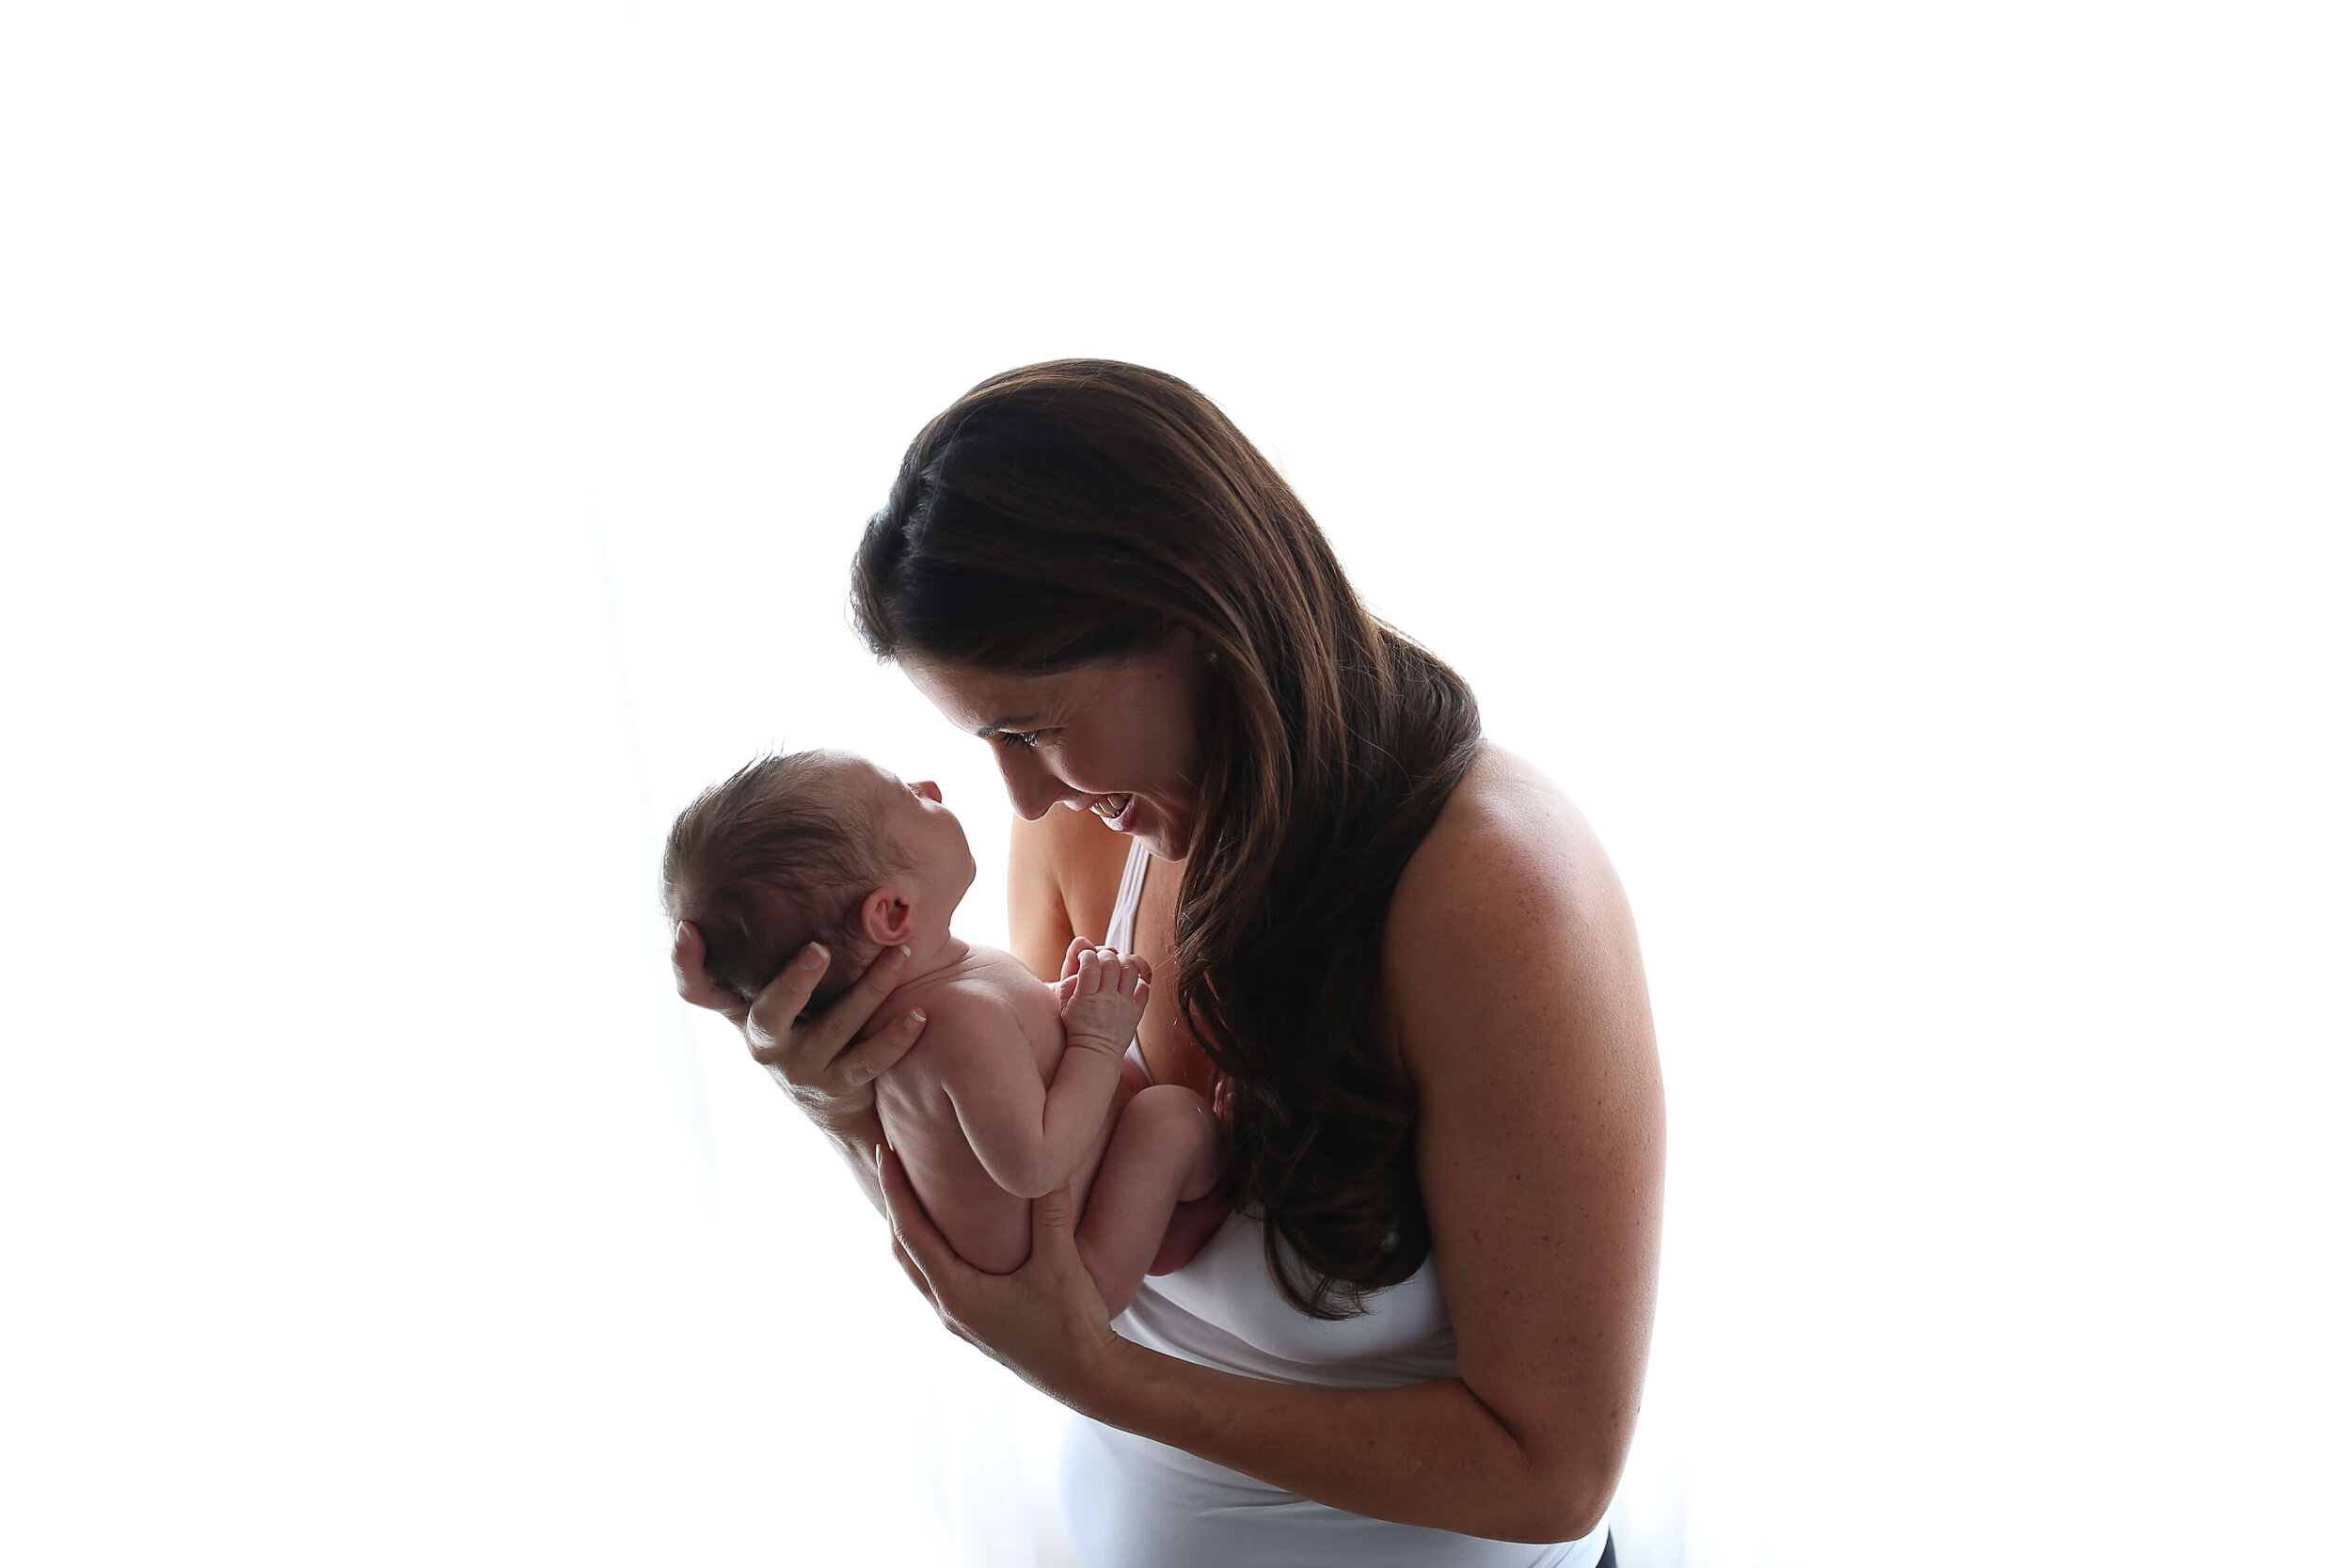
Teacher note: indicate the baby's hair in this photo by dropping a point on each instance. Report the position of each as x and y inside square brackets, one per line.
[776, 857]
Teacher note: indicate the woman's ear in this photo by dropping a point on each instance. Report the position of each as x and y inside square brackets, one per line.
[885, 917]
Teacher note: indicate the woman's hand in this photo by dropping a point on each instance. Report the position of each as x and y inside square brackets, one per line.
[822, 1064]
[1045, 1322]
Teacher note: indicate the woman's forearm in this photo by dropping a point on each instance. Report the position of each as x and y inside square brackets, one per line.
[1421, 1454]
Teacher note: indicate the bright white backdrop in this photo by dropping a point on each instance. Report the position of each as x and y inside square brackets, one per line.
[1888, 462]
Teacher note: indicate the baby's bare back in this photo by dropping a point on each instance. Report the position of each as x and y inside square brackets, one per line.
[989, 1019]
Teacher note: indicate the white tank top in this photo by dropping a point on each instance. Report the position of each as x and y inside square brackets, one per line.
[1133, 1503]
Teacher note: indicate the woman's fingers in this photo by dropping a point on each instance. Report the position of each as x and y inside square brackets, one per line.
[693, 982]
[1054, 1250]
[809, 1052]
[1049, 1221]
[780, 1002]
[906, 1266]
[878, 1055]
[850, 1012]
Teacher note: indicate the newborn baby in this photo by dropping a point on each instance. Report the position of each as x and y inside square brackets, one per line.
[1015, 1086]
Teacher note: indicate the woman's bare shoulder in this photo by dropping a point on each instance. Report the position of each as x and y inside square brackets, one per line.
[1509, 846]
[1511, 896]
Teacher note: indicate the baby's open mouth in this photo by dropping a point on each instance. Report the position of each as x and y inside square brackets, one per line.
[1110, 806]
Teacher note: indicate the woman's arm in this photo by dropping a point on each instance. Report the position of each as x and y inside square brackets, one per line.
[1516, 989]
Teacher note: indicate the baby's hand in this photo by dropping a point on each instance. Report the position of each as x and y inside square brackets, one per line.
[1103, 995]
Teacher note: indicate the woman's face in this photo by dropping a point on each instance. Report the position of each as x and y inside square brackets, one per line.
[1120, 738]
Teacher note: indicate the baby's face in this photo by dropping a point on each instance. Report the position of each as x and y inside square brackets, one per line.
[913, 821]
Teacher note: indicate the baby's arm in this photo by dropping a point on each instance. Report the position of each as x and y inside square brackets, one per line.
[1028, 1137]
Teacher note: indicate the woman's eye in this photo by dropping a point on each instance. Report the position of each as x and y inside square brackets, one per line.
[1025, 740]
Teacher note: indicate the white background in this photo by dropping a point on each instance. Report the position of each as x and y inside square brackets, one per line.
[1887, 462]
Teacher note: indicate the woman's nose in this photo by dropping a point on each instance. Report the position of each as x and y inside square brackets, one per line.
[1032, 789]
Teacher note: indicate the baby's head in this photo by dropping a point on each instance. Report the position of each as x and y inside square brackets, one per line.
[814, 847]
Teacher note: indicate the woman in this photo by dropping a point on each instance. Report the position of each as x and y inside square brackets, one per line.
[1397, 947]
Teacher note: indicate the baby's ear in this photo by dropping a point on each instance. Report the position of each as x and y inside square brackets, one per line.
[886, 918]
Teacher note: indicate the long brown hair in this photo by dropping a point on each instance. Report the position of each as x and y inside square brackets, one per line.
[1084, 510]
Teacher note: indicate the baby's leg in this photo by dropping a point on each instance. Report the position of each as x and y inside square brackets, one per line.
[1168, 1148]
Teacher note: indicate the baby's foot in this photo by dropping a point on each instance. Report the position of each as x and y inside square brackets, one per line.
[1104, 993]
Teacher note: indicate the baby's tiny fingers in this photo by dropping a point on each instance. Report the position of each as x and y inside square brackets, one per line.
[1089, 972]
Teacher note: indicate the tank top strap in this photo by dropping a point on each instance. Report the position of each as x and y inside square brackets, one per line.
[1122, 934]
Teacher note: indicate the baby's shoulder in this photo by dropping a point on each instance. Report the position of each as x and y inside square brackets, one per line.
[990, 996]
